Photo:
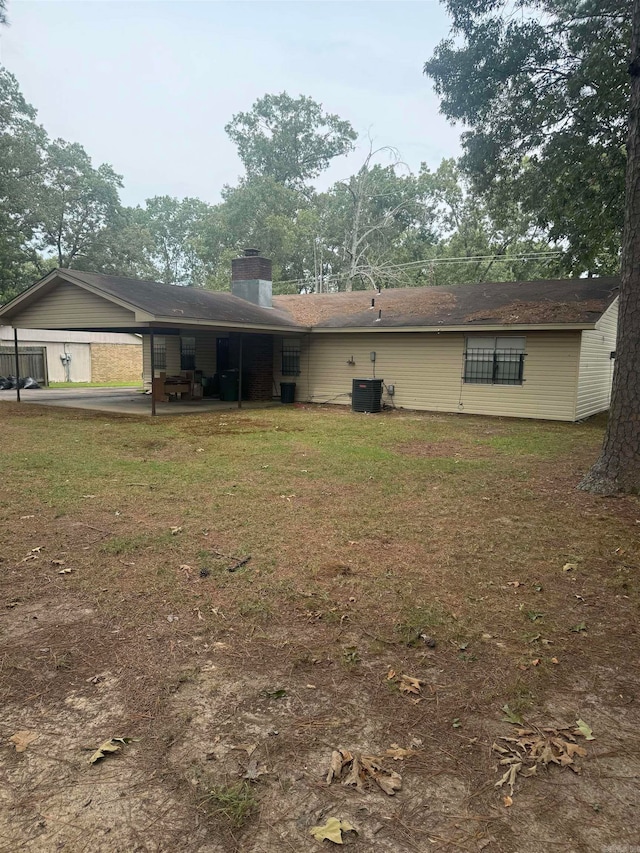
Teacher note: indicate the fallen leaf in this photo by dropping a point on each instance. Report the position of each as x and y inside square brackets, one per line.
[388, 780]
[508, 801]
[391, 674]
[175, 531]
[568, 567]
[579, 628]
[555, 660]
[511, 716]
[583, 729]
[65, 571]
[408, 684]
[37, 550]
[397, 753]
[254, 770]
[354, 778]
[509, 777]
[516, 584]
[22, 739]
[332, 830]
[114, 744]
[57, 562]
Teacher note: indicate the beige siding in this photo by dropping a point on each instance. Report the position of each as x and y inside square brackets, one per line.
[205, 353]
[427, 369]
[596, 365]
[68, 306]
[302, 381]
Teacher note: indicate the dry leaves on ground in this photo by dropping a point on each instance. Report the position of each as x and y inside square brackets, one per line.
[332, 830]
[532, 748]
[22, 739]
[114, 744]
[357, 771]
[406, 683]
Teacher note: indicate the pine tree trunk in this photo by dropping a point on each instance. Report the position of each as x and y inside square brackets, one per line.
[618, 468]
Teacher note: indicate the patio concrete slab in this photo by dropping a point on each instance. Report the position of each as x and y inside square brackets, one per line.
[124, 401]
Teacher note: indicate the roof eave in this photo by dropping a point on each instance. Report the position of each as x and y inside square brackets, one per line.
[489, 327]
[228, 324]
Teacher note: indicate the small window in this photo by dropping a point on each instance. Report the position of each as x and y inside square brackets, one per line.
[290, 358]
[187, 353]
[159, 352]
[494, 360]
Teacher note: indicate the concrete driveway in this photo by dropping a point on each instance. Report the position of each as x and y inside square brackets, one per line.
[126, 401]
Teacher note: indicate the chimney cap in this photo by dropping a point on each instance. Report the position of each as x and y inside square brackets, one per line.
[251, 253]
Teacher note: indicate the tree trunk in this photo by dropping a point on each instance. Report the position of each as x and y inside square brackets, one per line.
[618, 467]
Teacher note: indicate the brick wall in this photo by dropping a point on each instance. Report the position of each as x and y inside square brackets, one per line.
[251, 268]
[116, 363]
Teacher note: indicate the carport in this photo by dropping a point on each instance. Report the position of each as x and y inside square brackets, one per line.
[189, 334]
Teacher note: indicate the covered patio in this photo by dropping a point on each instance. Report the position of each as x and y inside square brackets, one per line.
[202, 350]
[123, 401]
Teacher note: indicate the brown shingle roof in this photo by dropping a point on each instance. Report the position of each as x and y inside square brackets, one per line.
[188, 303]
[561, 301]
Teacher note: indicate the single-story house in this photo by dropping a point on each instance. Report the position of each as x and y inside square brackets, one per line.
[536, 349]
[55, 355]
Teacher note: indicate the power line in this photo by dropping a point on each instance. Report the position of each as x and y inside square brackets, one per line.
[543, 255]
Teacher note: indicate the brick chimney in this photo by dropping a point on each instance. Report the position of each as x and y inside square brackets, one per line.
[251, 278]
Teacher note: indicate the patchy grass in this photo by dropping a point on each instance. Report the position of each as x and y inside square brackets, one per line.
[427, 545]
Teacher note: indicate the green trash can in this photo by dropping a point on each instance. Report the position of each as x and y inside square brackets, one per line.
[287, 392]
[229, 385]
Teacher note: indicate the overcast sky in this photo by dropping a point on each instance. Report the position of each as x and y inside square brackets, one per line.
[149, 86]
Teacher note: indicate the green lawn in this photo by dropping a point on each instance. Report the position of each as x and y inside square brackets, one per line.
[453, 549]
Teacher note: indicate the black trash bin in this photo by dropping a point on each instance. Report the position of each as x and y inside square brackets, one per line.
[287, 392]
[229, 385]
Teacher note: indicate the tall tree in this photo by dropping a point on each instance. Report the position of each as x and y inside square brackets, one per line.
[76, 201]
[22, 148]
[618, 467]
[175, 229]
[291, 140]
[368, 218]
[544, 93]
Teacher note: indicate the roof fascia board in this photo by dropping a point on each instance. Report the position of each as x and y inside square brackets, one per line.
[534, 327]
[227, 324]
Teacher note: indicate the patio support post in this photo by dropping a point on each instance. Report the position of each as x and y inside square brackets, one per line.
[15, 345]
[153, 373]
[240, 373]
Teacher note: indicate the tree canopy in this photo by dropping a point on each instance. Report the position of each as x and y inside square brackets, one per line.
[381, 225]
[291, 140]
[543, 91]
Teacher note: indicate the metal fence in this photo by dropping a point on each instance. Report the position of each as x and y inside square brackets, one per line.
[31, 360]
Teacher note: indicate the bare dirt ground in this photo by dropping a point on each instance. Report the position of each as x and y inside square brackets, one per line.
[455, 551]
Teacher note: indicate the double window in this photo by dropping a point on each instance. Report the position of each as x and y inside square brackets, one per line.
[290, 357]
[494, 360]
